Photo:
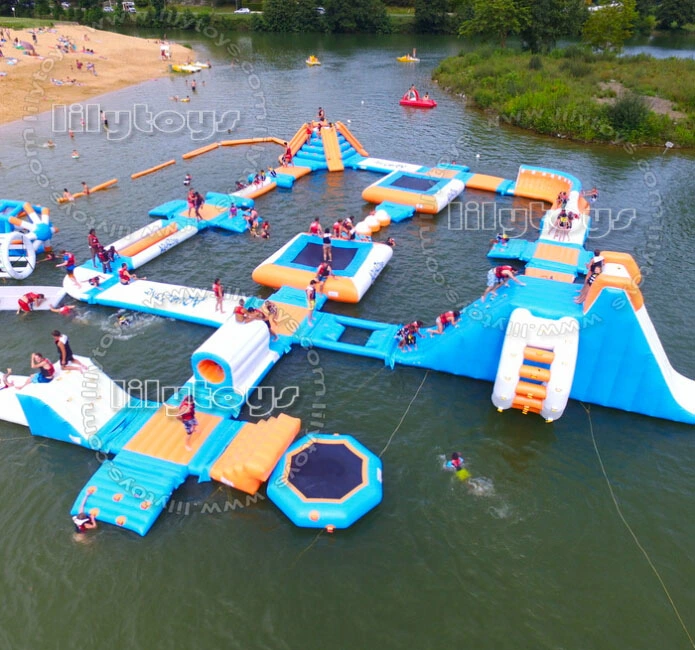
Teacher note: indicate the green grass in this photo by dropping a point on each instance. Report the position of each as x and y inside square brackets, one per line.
[24, 23]
[560, 97]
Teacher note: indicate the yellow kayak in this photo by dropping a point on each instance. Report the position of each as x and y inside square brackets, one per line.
[312, 60]
[408, 59]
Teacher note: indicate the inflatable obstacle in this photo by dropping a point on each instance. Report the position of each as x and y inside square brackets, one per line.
[151, 170]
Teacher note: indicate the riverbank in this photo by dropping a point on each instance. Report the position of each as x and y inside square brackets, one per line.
[579, 95]
[34, 83]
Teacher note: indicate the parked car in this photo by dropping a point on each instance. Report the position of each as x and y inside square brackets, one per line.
[243, 10]
[65, 5]
[320, 11]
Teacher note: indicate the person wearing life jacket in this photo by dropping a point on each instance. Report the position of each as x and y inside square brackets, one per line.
[456, 463]
[323, 272]
[500, 275]
[45, 374]
[69, 264]
[67, 359]
[444, 319]
[83, 521]
[315, 227]
[29, 301]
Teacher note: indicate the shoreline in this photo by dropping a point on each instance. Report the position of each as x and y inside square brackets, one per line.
[35, 84]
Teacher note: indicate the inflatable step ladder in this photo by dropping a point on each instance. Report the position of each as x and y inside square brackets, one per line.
[534, 375]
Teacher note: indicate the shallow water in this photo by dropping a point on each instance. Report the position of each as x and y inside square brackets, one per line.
[540, 560]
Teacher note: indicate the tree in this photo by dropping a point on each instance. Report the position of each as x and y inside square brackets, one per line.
[496, 19]
[432, 16]
[675, 13]
[610, 26]
[350, 16]
[550, 20]
[279, 15]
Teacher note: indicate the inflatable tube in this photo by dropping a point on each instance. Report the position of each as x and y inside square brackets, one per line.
[17, 256]
[383, 217]
[96, 188]
[234, 143]
[151, 170]
[149, 240]
[201, 151]
[373, 223]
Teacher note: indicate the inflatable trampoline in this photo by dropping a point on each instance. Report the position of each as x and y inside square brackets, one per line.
[355, 266]
[326, 481]
[428, 190]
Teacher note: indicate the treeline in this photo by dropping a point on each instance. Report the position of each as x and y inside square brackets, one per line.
[538, 24]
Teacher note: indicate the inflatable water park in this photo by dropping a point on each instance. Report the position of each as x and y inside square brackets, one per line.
[528, 336]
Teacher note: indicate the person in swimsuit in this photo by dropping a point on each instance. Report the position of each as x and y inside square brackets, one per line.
[65, 310]
[94, 245]
[85, 189]
[46, 371]
[67, 359]
[69, 264]
[499, 275]
[241, 314]
[29, 301]
[5, 381]
[327, 254]
[125, 276]
[67, 196]
[311, 300]
[315, 227]
[407, 335]
[83, 521]
[186, 414]
[323, 272]
[337, 227]
[218, 290]
[447, 318]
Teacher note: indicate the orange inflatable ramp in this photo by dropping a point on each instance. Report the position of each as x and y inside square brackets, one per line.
[347, 134]
[146, 242]
[536, 184]
[331, 148]
[163, 436]
[298, 139]
[553, 253]
[253, 453]
[483, 182]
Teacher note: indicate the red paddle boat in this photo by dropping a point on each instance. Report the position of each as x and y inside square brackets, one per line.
[417, 101]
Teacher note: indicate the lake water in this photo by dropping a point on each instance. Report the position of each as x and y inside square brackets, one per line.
[539, 559]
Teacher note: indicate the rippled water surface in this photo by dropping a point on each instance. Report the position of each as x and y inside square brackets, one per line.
[534, 557]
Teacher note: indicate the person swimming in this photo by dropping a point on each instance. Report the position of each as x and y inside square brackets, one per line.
[124, 320]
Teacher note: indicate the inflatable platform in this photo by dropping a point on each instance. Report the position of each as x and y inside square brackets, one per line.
[326, 481]
[356, 265]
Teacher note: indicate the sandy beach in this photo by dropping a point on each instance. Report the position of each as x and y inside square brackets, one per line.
[34, 83]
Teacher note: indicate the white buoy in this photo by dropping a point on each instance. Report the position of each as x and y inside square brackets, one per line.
[363, 101]
[349, 121]
[477, 155]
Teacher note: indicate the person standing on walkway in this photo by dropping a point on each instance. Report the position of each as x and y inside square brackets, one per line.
[218, 290]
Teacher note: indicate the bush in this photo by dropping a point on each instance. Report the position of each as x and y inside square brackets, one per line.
[576, 68]
[535, 63]
[629, 114]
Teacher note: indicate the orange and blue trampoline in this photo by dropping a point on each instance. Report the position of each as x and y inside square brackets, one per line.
[326, 481]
